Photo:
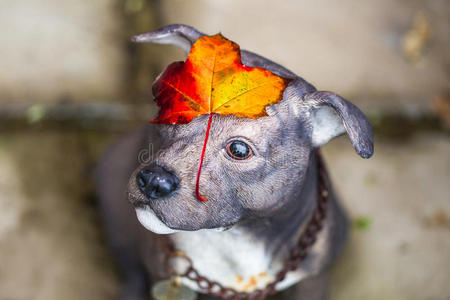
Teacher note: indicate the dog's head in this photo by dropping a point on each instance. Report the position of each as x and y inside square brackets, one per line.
[251, 167]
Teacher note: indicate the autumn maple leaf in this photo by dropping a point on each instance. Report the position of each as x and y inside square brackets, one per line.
[213, 80]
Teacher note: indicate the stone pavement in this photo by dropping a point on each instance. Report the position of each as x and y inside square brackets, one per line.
[51, 242]
[399, 201]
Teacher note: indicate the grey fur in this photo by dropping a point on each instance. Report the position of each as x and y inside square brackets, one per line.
[356, 125]
[269, 197]
[182, 36]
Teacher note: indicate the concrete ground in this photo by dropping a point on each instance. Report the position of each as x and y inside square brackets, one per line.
[51, 242]
[399, 201]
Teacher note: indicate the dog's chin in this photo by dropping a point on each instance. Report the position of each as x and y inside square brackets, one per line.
[150, 221]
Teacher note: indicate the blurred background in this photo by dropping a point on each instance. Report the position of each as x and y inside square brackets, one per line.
[71, 83]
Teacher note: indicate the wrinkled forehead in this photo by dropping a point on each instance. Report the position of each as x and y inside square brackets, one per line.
[223, 127]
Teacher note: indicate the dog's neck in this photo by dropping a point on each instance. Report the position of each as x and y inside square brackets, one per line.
[248, 255]
[281, 231]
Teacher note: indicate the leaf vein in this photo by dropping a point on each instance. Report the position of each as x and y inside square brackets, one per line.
[243, 93]
[192, 101]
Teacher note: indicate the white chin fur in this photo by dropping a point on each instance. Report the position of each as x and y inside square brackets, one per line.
[149, 220]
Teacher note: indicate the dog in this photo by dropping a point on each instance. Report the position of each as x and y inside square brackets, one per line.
[257, 206]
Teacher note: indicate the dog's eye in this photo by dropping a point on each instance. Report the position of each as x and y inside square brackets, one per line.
[239, 150]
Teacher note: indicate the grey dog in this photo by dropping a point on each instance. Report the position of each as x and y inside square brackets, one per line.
[257, 207]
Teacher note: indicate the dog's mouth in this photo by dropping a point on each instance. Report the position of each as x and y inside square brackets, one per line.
[148, 218]
[150, 221]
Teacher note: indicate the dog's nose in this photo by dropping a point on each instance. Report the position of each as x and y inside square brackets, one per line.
[156, 182]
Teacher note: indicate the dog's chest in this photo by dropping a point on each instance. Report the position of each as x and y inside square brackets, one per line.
[232, 258]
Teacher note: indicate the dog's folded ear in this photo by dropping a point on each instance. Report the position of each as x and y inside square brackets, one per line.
[179, 35]
[332, 115]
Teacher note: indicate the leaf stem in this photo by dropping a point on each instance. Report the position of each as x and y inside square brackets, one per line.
[197, 185]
